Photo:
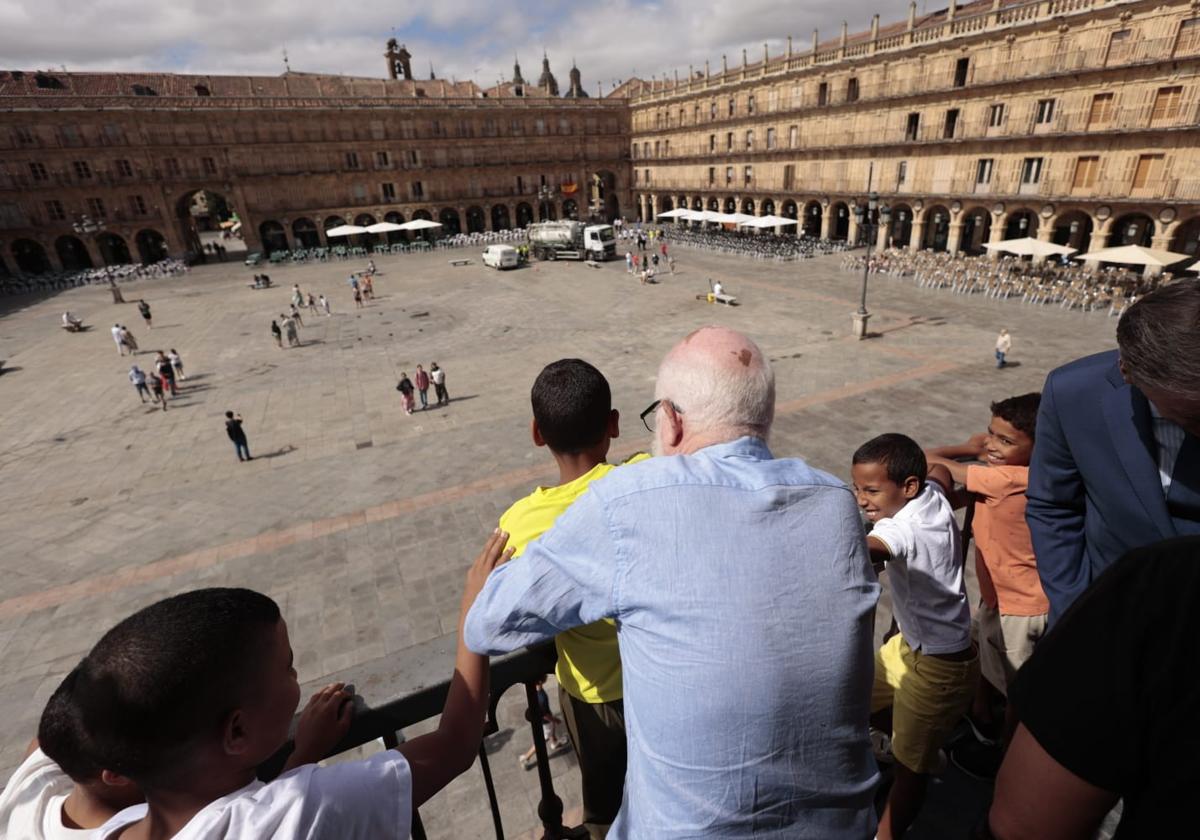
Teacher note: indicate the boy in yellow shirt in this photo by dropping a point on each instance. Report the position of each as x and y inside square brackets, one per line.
[573, 417]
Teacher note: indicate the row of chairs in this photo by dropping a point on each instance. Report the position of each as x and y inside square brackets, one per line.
[343, 252]
[1069, 287]
[60, 280]
[759, 246]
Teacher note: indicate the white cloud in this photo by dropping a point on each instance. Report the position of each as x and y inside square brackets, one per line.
[463, 39]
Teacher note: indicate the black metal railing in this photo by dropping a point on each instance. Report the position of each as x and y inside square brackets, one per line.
[402, 690]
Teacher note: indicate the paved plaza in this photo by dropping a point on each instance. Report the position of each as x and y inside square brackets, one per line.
[361, 521]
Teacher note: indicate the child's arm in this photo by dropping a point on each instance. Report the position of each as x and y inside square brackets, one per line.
[436, 758]
[956, 470]
[946, 473]
[879, 552]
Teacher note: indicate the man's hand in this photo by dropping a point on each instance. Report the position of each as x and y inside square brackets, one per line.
[323, 723]
[493, 554]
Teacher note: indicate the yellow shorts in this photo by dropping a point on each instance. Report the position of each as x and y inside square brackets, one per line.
[928, 696]
[1005, 642]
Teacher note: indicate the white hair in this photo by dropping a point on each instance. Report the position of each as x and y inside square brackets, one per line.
[731, 399]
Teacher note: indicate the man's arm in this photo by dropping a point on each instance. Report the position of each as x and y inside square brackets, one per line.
[437, 758]
[1038, 797]
[1055, 510]
[564, 579]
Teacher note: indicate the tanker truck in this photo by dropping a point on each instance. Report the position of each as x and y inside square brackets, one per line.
[572, 241]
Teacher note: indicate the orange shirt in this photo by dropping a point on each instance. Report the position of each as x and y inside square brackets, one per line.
[1004, 559]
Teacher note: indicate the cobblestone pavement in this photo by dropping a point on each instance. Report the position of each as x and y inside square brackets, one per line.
[360, 520]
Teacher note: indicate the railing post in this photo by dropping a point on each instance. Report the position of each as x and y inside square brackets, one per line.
[550, 808]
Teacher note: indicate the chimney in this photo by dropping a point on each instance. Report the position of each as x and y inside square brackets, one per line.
[744, 62]
[816, 40]
[706, 71]
[912, 15]
[845, 33]
[875, 28]
[950, 10]
[724, 64]
[789, 52]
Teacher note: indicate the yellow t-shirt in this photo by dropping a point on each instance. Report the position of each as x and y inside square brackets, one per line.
[589, 662]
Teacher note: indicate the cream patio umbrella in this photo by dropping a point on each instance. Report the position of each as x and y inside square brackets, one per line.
[677, 213]
[1027, 246]
[383, 227]
[1137, 255]
[420, 224]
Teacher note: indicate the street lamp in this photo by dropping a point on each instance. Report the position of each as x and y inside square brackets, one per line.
[869, 218]
[545, 194]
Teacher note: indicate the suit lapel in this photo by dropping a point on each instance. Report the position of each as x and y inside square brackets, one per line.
[1127, 414]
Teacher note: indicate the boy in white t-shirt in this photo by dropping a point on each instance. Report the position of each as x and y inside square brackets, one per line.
[58, 793]
[190, 695]
[926, 673]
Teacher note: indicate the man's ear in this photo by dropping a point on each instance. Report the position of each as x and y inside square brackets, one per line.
[674, 425]
[1124, 372]
[614, 423]
[235, 739]
[113, 779]
[536, 434]
[912, 487]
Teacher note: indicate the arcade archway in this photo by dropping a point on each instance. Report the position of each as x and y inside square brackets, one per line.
[901, 230]
[1187, 238]
[273, 236]
[500, 220]
[206, 219]
[113, 249]
[812, 219]
[151, 246]
[937, 228]
[450, 221]
[30, 257]
[1021, 223]
[839, 229]
[304, 233]
[1132, 229]
[1074, 230]
[977, 227]
[72, 253]
[476, 220]
[524, 215]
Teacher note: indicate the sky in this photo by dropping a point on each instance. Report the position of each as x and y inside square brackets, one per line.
[610, 40]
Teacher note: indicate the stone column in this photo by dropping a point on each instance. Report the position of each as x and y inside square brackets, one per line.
[1100, 234]
[826, 221]
[954, 239]
[883, 235]
[996, 233]
[917, 237]
[93, 249]
[852, 228]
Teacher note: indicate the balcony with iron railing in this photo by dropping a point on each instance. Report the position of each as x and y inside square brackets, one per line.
[1056, 58]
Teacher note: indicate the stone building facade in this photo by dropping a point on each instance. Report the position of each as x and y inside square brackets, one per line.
[1076, 121]
[1069, 120]
[292, 155]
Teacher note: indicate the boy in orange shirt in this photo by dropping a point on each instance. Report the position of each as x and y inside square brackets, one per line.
[1013, 608]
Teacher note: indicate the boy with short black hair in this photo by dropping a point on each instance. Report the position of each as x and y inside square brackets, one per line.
[190, 695]
[58, 792]
[573, 417]
[926, 673]
[1013, 610]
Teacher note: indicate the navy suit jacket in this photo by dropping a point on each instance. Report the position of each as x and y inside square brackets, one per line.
[1094, 488]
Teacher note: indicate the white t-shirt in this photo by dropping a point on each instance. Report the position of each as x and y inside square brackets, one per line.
[116, 334]
[438, 376]
[31, 803]
[356, 800]
[929, 598]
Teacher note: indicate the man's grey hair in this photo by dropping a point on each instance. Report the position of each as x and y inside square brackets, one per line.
[1159, 339]
[735, 399]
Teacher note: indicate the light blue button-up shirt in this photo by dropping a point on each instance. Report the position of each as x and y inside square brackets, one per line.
[744, 602]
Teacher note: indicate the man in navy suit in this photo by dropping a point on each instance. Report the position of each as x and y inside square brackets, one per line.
[1116, 465]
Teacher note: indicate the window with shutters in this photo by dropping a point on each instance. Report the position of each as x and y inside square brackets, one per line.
[1045, 112]
[950, 124]
[82, 170]
[1031, 171]
[38, 171]
[55, 211]
[96, 208]
[1120, 47]
[789, 176]
[1167, 102]
[983, 170]
[352, 160]
[1101, 113]
[996, 115]
[388, 191]
[960, 71]
[901, 172]
[770, 138]
[417, 189]
[124, 168]
[823, 93]
[712, 142]
[728, 176]
[657, 148]
[750, 104]
[712, 175]
[793, 136]
[1148, 171]
[383, 160]
[712, 110]
[912, 127]
[1188, 40]
[748, 176]
[137, 205]
[750, 139]
[732, 106]
[852, 89]
[209, 165]
[1086, 169]
[729, 141]
[24, 134]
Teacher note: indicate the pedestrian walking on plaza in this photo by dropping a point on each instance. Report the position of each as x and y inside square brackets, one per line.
[671, 263]
[156, 385]
[370, 266]
[663, 249]
[358, 304]
[277, 333]
[354, 282]
[297, 295]
[636, 263]
[325, 305]
[138, 377]
[439, 384]
[405, 387]
[233, 428]
[128, 340]
[423, 387]
[144, 308]
[162, 365]
[176, 363]
[289, 327]
[118, 339]
[296, 315]
[369, 287]
[1003, 345]
[654, 259]
[312, 304]
[629, 262]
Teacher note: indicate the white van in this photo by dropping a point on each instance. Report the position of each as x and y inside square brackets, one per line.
[500, 256]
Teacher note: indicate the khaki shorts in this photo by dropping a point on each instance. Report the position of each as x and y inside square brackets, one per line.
[928, 697]
[1005, 643]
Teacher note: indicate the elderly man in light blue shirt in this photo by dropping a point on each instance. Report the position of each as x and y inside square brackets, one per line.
[744, 602]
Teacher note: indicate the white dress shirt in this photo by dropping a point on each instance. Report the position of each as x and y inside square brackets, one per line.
[1169, 438]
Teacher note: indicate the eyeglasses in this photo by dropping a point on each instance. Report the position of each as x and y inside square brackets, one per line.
[652, 411]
